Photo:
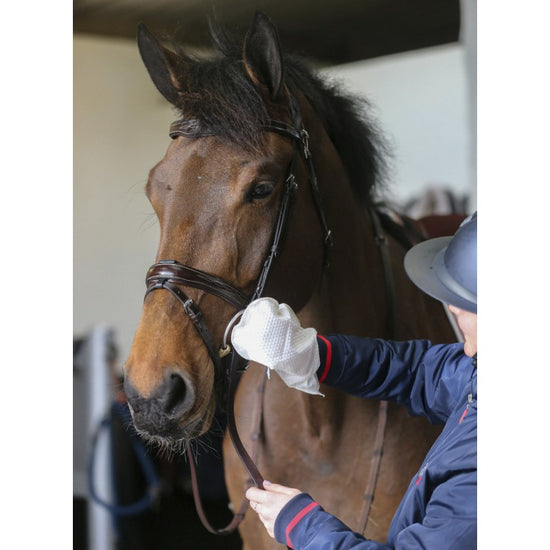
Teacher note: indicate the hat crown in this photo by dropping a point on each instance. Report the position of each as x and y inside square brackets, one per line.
[461, 255]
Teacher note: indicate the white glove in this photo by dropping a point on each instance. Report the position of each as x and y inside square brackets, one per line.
[270, 333]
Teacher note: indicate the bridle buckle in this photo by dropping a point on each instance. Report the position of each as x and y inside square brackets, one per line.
[224, 350]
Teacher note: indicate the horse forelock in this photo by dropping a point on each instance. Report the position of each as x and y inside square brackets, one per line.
[219, 94]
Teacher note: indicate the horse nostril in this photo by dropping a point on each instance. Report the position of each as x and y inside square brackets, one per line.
[162, 412]
[176, 399]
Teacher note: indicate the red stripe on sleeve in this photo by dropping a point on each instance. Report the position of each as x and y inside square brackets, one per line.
[328, 359]
[296, 519]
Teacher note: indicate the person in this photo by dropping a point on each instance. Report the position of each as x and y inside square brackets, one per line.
[438, 510]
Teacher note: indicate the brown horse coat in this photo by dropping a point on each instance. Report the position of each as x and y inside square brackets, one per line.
[216, 194]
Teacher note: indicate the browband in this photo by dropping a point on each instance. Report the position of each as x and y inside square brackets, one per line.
[191, 128]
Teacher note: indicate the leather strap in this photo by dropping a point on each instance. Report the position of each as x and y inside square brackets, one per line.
[246, 459]
[189, 127]
[280, 229]
[406, 236]
[237, 517]
[376, 461]
[389, 287]
[283, 128]
[257, 412]
[185, 275]
[197, 318]
[300, 135]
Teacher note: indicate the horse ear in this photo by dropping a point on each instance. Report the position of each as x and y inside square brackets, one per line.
[262, 55]
[160, 63]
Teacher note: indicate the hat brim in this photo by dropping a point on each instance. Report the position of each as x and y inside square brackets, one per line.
[423, 264]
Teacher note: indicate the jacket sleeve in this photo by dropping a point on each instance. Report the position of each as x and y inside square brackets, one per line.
[427, 379]
[303, 524]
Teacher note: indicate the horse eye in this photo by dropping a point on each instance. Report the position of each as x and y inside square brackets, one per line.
[260, 191]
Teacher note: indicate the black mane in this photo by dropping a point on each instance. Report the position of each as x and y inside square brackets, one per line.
[220, 95]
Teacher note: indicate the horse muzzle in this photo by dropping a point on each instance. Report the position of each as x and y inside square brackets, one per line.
[167, 412]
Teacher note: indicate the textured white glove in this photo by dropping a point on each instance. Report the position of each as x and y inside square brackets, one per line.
[270, 333]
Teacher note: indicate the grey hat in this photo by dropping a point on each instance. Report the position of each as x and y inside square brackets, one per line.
[446, 267]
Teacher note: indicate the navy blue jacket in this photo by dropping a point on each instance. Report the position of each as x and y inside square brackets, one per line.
[439, 509]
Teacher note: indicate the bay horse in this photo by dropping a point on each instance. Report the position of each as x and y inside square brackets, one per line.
[255, 126]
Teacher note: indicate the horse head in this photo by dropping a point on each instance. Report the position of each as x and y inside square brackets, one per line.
[218, 194]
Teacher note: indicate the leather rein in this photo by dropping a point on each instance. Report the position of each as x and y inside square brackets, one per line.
[171, 275]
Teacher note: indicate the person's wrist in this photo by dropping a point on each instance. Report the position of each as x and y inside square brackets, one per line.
[288, 513]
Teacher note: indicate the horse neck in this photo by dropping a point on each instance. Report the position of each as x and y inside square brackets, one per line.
[352, 292]
[353, 284]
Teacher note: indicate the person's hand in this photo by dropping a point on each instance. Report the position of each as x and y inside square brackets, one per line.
[269, 333]
[267, 504]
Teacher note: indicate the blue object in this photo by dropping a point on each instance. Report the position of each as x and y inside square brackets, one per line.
[439, 508]
[146, 463]
[446, 267]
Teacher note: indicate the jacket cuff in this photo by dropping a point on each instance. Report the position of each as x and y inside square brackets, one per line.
[325, 355]
[291, 515]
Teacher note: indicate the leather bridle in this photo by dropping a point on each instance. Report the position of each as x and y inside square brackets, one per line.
[172, 276]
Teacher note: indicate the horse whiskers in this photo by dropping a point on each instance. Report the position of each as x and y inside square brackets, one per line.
[201, 444]
[164, 447]
[168, 447]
